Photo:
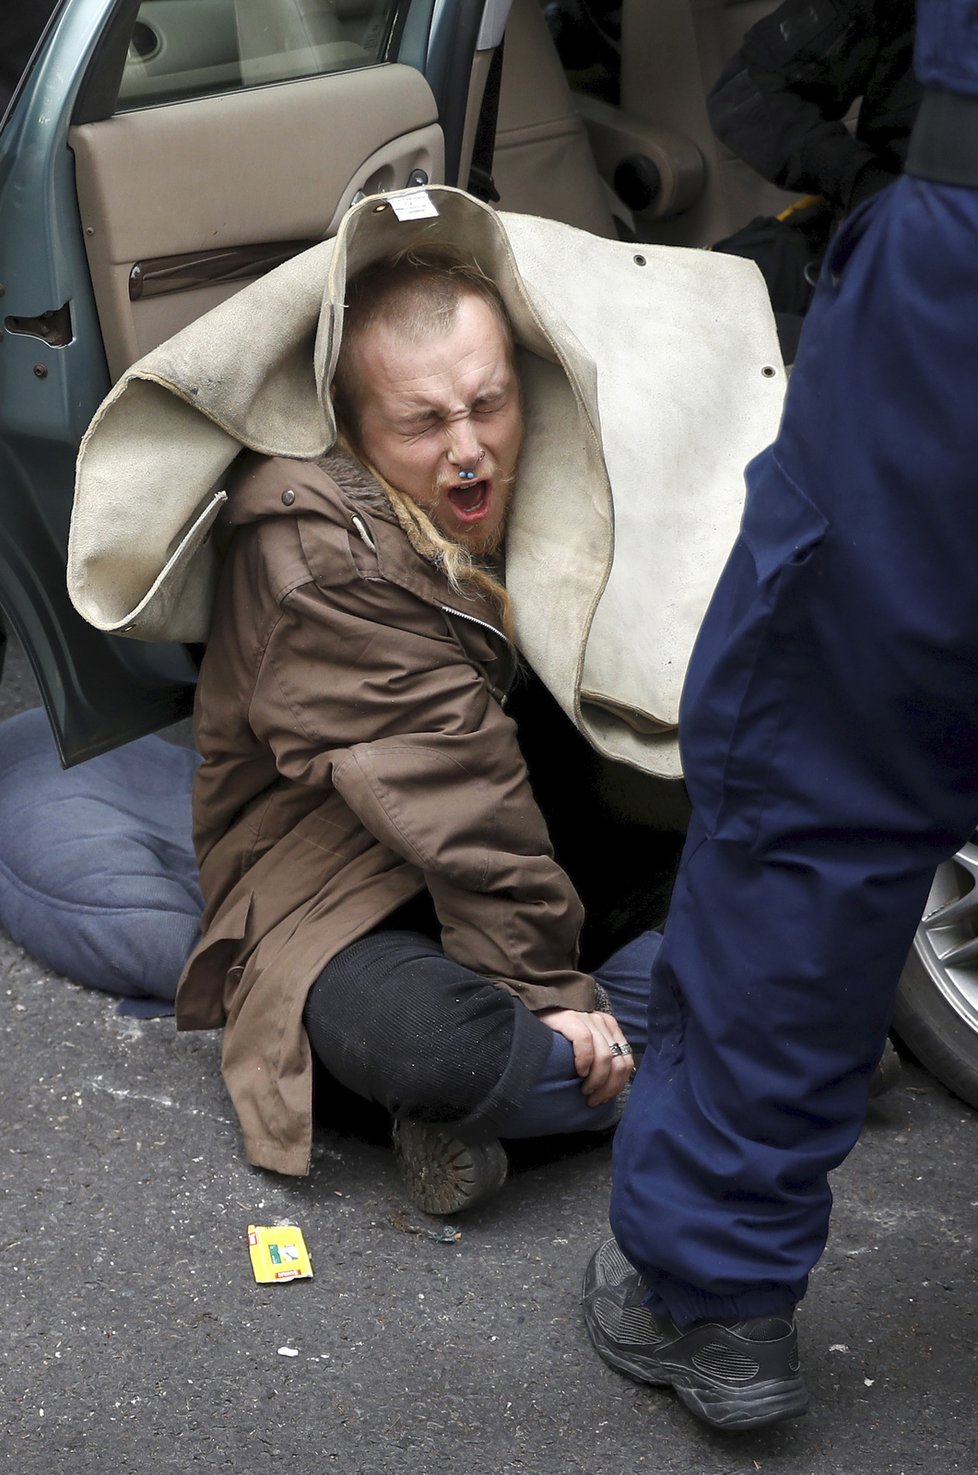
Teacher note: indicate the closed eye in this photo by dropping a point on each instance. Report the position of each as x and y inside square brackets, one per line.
[416, 428]
[490, 406]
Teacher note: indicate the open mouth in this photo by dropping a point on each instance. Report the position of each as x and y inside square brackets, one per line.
[470, 501]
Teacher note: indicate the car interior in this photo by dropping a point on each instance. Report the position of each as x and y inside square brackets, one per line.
[621, 148]
[646, 164]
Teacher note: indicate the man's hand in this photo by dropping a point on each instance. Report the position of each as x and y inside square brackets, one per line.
[603, 1074]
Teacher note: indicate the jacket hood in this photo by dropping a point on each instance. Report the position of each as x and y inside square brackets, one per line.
[650, 379]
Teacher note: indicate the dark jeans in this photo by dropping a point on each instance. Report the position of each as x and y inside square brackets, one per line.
[397, 1022]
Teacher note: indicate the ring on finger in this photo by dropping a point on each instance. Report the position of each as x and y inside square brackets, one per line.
[619, 1049]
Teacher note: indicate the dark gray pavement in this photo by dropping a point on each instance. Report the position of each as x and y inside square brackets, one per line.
[134, 1339]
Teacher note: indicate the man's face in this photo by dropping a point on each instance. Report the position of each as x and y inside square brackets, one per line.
[441, 421]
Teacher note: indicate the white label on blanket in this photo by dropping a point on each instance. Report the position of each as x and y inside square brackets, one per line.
[415, 206]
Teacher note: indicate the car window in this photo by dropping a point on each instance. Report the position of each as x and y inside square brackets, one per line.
[190, 48]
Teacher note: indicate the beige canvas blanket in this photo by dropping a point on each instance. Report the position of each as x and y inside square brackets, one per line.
[651, 376]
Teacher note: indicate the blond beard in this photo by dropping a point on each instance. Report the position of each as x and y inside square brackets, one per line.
[463, 569]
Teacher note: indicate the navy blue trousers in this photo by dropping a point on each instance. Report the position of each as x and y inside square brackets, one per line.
[830, 742]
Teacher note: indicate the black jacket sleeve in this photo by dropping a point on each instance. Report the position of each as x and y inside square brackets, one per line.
[780, 102]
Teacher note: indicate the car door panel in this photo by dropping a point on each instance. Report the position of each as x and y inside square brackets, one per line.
[272, 166]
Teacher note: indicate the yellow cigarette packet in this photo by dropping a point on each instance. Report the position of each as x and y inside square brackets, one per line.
[278, 1252]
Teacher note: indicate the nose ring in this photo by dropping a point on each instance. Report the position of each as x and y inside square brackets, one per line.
[470, 475]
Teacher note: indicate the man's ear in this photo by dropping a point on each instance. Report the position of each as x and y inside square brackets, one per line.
[347, 428]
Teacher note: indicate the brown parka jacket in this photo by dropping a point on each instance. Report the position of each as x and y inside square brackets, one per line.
[355, 750]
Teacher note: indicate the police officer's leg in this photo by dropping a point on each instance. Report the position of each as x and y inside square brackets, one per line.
[831, 748]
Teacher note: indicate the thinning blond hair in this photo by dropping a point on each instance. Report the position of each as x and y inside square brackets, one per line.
[416, 293]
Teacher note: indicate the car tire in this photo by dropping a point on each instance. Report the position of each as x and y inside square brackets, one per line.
[936, 1014]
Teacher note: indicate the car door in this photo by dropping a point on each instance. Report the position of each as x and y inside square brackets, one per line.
[158, 156]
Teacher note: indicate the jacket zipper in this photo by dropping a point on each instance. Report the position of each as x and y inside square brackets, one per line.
[476, 621]
[514, 662]
[358, 523]
[446, 608]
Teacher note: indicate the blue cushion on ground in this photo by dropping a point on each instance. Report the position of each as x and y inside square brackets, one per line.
[98, 878]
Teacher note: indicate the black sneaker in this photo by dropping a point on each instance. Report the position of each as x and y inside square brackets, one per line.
[731, 1374]
[442, 1174]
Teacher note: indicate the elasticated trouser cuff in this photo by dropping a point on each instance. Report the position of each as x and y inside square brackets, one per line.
[687, 1303]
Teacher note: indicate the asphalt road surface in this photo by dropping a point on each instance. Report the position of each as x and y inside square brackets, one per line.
[134, 1339]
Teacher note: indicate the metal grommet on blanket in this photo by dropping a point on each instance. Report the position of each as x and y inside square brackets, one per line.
[288, 497]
